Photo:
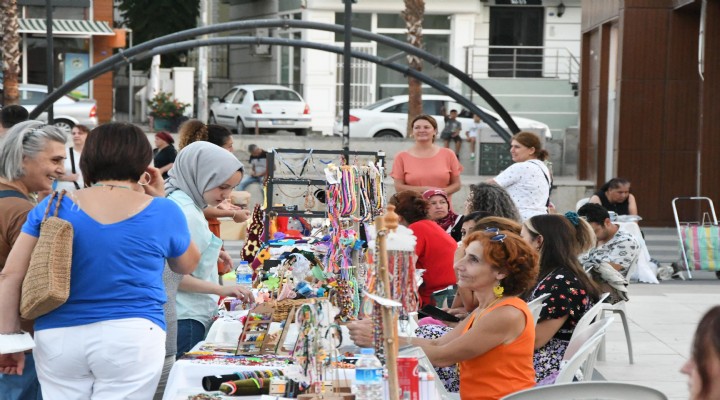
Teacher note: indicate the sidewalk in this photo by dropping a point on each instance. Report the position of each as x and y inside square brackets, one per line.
[662, 319]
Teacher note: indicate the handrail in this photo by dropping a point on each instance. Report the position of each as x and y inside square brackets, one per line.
[522, 62]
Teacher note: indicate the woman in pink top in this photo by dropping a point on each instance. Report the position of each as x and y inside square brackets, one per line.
[426, 166]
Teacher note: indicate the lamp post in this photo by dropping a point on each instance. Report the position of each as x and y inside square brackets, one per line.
[50, 57]
[347, 50]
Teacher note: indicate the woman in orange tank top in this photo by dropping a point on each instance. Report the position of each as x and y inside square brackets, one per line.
[494, 344]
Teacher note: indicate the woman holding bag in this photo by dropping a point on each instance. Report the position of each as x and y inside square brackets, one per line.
[106, 341]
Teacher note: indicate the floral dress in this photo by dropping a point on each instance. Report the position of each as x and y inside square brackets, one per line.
[450, 376]
[567, 297]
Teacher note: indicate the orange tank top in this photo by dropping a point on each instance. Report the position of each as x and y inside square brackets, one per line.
[504, 369]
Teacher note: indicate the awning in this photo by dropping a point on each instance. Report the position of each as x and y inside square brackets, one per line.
[66, 27]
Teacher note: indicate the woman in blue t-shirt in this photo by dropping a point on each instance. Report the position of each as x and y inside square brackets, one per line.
[107, 340]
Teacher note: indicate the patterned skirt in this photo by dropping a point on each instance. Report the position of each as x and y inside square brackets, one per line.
[449, 376]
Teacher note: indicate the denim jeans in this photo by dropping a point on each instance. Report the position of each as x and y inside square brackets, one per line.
[247, 180]
[189, 333]
[21, 387]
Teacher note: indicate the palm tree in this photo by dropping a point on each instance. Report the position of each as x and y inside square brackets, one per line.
[10, 50]
[413, 15]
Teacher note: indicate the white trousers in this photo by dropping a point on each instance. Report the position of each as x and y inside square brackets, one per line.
[118, 359]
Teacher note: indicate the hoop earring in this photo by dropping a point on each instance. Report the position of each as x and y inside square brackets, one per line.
[149, 177]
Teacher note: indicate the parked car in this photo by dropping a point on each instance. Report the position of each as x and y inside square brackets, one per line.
[271, 107]
[388, 117]
[67, 111]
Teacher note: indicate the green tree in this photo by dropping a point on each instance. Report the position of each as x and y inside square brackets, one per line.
[151, 19]
[10, 51]
[413, 14]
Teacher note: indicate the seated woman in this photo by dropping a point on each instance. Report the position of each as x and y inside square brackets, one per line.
[441, 212]
[615, 196]
[703, 366]
[559, 240]
[434, 247]
[493, 199]
[495, 343]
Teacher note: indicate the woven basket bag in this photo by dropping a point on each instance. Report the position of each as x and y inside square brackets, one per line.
[47, 282]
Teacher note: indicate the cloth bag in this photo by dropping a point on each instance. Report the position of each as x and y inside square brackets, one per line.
[47, 283]
[702, 246]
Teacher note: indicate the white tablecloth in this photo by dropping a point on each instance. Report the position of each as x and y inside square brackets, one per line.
[646, 271]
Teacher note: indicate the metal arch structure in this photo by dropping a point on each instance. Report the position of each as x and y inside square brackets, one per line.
[145, 49]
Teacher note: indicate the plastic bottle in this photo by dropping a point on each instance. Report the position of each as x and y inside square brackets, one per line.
[369, 384]
[243, 274]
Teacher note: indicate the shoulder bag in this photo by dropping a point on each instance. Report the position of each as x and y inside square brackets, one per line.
[47, 281]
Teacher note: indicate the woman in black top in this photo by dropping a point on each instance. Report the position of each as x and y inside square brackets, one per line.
[615, 196]
[164, 153]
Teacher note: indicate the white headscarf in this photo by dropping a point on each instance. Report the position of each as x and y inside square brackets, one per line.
[199, 167]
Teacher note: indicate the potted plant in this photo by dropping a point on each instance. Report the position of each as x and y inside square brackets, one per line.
[167, 112]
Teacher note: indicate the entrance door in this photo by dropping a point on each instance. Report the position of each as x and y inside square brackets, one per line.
[510, 28]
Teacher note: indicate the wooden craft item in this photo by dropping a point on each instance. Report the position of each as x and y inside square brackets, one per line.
[254, 328]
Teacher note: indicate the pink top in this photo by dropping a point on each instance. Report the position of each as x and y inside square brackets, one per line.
[434, 172]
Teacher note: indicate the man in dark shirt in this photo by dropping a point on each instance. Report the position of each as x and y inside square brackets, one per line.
[258, 167]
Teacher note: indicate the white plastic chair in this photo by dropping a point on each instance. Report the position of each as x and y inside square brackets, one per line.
[590, 314]
[581, 203]
[578, 340]
[621, 309]
[589, 391]
[568, 368]
[537, 305]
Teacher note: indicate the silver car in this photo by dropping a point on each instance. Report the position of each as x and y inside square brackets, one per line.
[269, 107]
[67, 111]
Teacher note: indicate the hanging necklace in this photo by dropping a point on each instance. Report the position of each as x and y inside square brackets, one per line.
[111, 186]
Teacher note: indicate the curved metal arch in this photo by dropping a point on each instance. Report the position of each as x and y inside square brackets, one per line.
[404, 69]
[274, 23]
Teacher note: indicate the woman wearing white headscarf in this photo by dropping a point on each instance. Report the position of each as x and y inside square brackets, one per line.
[203, 176]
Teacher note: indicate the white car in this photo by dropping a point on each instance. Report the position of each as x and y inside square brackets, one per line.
[388, 117]
[271, 107]
[67, 111]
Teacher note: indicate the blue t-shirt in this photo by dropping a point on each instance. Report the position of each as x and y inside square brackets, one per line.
[116, 268]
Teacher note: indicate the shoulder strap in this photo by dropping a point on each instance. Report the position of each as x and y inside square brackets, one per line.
[58, 200]
[72, 167]
[11, 193]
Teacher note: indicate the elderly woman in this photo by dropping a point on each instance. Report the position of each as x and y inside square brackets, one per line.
[164, 153]
[106, 340]
[440, 211]
[434, 247]
[491, 199]
[425, 165]
[494, 344]
[615, 196]
[528, 180]
[560, 240]
[703, 365]
[31, 159]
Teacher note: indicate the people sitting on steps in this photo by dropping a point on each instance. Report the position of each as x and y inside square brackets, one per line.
[615, 196]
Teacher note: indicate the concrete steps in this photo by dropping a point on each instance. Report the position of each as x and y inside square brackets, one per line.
[662, 243]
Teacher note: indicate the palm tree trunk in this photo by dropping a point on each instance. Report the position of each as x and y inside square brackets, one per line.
[11, 51]
[413, 15]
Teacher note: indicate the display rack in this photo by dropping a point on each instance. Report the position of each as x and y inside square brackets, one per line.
[272, 181]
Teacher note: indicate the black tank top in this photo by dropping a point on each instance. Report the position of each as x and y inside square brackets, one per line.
[619, 208]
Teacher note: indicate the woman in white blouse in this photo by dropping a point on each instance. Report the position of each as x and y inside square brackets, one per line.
[528, 180]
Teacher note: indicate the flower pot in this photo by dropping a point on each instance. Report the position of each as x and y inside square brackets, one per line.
[163, 124]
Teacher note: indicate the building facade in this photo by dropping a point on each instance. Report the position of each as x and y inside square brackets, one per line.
[650, 95]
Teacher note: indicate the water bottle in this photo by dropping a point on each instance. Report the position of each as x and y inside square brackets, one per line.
[243, 274]
[369, 384]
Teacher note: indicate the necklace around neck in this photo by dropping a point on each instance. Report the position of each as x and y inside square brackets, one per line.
[111, 186]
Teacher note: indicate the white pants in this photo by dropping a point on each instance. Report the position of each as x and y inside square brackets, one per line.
[118, 359]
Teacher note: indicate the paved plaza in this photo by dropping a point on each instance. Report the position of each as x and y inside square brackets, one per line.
[663, 319]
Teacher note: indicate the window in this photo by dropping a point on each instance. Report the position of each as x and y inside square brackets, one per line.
[240, 96]
[432, 107]
[227, 98]
[391, 21]
[30, 97]
[275, 95]
[359, 20]
[401, 108]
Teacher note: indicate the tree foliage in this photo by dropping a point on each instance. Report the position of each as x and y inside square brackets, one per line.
[151, 19]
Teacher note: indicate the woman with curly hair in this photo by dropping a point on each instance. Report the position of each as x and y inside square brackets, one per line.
[492, 199]
[191, 131]
[494, 344]
[434, 247]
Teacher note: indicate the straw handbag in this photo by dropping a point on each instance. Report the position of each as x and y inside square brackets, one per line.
[47, 282]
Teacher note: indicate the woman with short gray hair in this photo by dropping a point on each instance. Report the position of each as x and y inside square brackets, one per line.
[31, 157]
[493, 199]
